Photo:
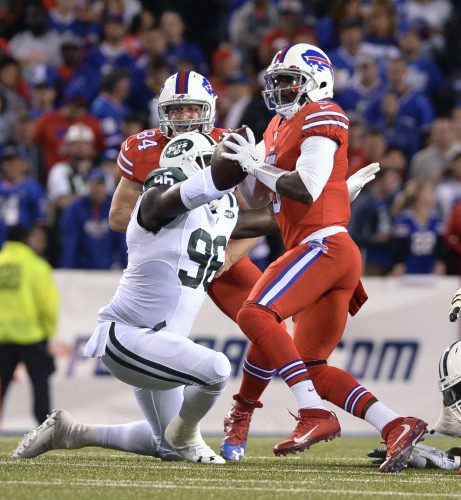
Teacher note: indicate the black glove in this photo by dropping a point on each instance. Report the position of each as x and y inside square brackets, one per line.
[455, 306]
[379, 454]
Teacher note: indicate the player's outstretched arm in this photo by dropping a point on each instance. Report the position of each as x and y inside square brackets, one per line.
[357, 181]
[455, 306]
[123, 202]
[164, 201]
[159, 205]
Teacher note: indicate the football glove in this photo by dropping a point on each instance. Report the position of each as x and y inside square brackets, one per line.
[356, 182]
[455, 306]
[244, 152]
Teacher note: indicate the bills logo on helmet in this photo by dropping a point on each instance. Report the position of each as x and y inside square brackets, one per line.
[207, 86]
[313, 58]
[178, 147]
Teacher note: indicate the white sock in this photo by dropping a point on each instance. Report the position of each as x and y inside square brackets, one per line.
[379, 415]
[198, 400]
[306, 395]
[135, 437]
[159, 407]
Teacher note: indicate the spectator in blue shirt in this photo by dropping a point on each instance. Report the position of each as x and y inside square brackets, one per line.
[364, 86]
[414, 106]
[22, 199]
[110, 54]
[87, 242]
[43, 92]
[424, 73]
[344, 58]
[371, 222]
[63, 19]
[327, 27]
[109, 107]
[417, 240]
[397, 128]
[178, 48]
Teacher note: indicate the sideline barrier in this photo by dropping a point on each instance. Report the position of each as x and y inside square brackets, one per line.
[392, 346]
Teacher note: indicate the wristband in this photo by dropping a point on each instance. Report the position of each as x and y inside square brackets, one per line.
[268, 175]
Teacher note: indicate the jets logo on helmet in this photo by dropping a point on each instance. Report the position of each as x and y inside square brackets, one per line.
[298, 74]
[186, 88]
[178, 147]
[190, 152]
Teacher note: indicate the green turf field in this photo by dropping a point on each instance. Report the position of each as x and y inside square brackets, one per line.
[339, 469]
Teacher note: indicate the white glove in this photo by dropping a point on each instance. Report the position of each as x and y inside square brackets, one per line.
[356, 182]
[455, 307]
[245, 152]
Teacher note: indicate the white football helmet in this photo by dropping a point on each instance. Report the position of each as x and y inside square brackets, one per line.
[187, 87]
[298, 74]
[191, 152]
[450, 379]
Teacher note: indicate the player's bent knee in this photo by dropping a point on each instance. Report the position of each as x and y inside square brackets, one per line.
[250, 314]
[221, 366]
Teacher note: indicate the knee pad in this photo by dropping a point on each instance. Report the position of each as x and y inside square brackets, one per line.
[250, 313]
[220, 369]
[221, 366]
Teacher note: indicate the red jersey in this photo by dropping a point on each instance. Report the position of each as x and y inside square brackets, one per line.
[51, 128]
[283, 139]
[140, 153]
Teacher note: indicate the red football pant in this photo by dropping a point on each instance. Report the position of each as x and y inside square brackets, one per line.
[313, 283]
[233, 287]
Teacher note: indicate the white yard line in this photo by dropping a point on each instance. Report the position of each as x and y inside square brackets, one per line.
[178, 487]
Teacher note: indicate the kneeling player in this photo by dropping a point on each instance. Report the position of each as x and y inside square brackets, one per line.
[449, 421]
[176, 243]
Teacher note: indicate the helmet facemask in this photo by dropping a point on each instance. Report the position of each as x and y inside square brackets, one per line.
[172, 127]
[298, 74]
[201, 160]
[287, 90]
[186, 88]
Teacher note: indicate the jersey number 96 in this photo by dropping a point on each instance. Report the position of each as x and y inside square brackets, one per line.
[204, 251]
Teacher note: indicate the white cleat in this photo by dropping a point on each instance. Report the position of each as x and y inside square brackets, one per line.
[52, 434]
[189, 444]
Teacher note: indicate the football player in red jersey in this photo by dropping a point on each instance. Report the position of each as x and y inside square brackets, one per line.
[186, 102]
[317, 281]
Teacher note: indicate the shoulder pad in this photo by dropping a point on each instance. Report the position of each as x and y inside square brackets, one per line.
[164, 177]
[325, 118]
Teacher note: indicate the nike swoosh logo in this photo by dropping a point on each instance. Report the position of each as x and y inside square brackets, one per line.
[326, 107]
[303, 438]
[125, 146]
[406, 428]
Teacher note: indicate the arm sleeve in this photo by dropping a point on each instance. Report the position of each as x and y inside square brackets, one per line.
[315, 163]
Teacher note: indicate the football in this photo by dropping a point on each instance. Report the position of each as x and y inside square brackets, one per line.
[226, 173]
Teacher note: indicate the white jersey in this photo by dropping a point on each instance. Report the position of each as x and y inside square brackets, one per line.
[168, 272]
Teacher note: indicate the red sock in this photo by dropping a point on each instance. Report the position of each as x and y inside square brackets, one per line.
[341, 388]
[256, 375]
[261, 326]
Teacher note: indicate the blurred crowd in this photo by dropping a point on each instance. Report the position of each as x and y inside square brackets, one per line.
[79, 76]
